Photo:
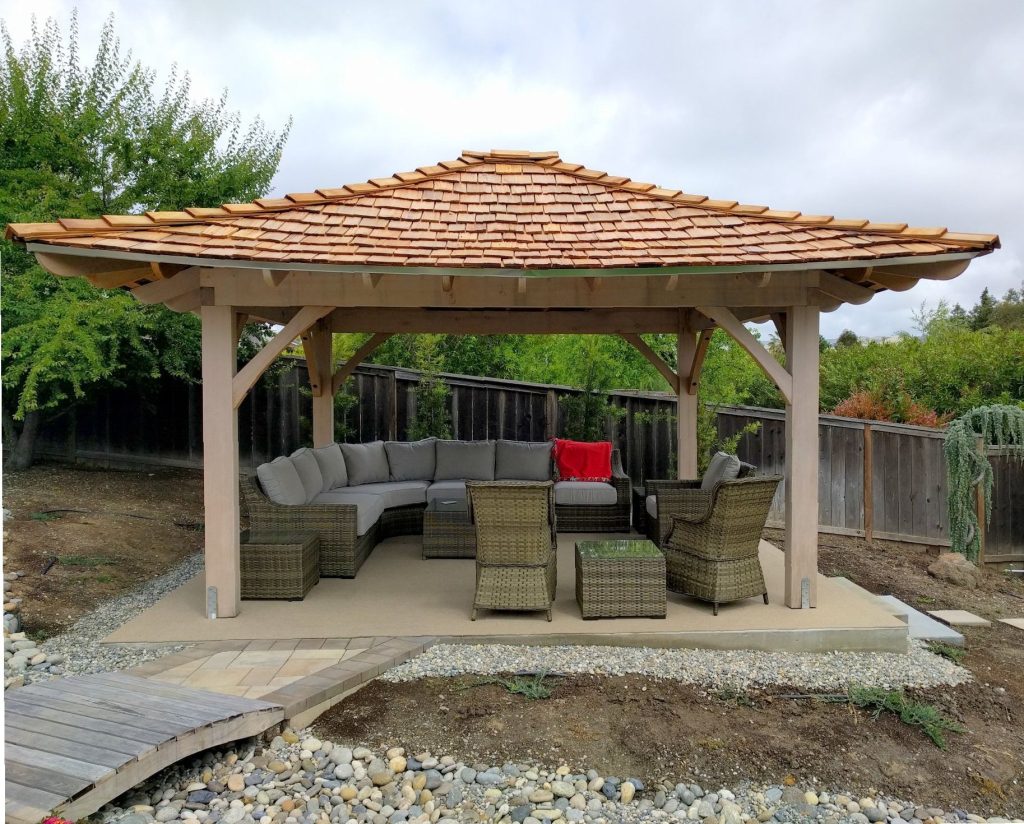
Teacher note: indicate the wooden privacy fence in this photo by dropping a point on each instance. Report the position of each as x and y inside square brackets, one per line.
[876, 479]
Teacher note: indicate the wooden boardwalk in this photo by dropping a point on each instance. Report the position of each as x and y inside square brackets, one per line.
[73, 744]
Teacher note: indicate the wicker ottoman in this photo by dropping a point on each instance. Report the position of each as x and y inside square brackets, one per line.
[279, 565]
[447, 530]
[620, 579]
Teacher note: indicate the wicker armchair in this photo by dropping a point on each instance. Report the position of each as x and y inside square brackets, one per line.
[606, 518]
[516, 546]
[712, 553]
[684, 497]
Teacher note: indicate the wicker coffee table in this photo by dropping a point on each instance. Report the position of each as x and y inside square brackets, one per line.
[620, 579]
[279, 565]
[447, 530]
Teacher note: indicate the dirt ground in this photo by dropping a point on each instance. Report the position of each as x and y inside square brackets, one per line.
[662, 730]
[127, 533]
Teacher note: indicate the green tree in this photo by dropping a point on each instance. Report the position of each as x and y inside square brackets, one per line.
[432, 415]
[847, 338]
[981, 314]
[83, 141]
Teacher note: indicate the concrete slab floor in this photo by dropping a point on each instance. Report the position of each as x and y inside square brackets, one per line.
[398, 594]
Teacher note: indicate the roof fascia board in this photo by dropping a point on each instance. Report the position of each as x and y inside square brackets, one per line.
[631, 271]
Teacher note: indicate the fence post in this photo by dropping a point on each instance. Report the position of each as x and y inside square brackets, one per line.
[869, 483]
[551, 415]
[392, 406]
[979, 502]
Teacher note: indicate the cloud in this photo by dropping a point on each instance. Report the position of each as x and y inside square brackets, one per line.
[908, 112]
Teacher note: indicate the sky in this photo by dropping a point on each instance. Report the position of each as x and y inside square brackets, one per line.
[906, 112]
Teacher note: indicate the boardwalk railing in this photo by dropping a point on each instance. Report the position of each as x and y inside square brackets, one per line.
[876, 479]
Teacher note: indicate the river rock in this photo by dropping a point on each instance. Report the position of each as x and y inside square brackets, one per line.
[954, 568]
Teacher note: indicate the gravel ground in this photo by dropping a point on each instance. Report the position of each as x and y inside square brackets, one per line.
[79, 650]
[301, 778]
[736, 669]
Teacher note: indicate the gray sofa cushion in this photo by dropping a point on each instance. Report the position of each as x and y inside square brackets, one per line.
[396, 493]
[522, 461]
[367, 463]
[651, 505]
[309, 472]
[446, 490]
[464, 461]
[369, 508]
[723, 467]
[412, 460]
[281, 482]
[585, 493]
[332, 466]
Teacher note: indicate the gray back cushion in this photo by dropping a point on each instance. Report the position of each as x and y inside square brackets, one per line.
[332, 466]
[309, 472]
[723, 467]
[465, 461]
[411, 461]
[281, 482]
[367, 463]
[522, 461]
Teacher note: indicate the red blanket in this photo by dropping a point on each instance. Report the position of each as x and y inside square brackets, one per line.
[579, 461]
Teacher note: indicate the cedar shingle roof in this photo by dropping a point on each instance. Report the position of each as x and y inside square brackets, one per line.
[506, 209]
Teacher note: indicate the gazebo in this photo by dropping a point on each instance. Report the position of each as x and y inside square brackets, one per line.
[492, 242]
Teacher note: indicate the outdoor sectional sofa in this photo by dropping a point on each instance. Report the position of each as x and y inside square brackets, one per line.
[356, 495]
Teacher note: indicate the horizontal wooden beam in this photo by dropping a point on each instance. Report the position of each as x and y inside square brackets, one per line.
[161, 291]
[251, 372]
[654, 359]
[237, 287]
[503, 321]
[772, 368]
[842, 289]
[361, 354]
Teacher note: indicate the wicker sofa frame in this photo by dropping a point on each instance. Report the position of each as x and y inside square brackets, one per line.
[343, 551]
[712, 554]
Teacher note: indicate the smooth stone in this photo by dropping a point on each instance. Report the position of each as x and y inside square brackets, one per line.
[541, 796]
[563, 789]
[488, 779]
[811, 798]
[343, 771]
[468, 775]
[434, 779]
[236, 782]
[628, 790]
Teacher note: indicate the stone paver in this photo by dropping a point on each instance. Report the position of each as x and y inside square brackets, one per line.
[959, 617]
[1013, 622]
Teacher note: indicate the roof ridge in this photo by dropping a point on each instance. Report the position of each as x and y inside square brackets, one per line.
[73, 227]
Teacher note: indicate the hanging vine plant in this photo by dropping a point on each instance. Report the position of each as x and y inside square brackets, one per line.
[968, 466]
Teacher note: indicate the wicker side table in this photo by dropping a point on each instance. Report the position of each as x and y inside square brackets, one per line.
[620, 579]
[279, 565]
[447, 530]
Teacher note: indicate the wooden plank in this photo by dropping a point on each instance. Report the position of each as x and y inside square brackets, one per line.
[824, 477]
[51, 781]
[86, 712]
[87, 753]
[197, 707]
[28, 804]
[65, 764]
[87, 722]
[149, 686]
[837, 476]
[52, 729]
[184, 715]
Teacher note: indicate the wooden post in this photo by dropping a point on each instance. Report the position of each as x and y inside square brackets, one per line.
[869, 486]
[686, 402]
[802, 458]
[979, 504]
[320, 371]
[220, 461]
[551, 415]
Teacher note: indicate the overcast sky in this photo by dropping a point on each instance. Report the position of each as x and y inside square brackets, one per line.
[895, 111]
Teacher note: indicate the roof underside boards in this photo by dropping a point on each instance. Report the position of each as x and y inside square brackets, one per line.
[502, 210]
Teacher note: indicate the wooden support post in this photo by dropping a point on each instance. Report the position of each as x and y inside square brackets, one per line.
[318, 357]
[220, 462]
[551, 414]
[802, 458]
[686, 403]
[869, 486]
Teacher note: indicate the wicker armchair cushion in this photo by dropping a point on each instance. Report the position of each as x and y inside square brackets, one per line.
[464, 461]
[412, 460]
[585, 493]
[332, 467]
[396, 493]
[367, 463]
[651, 505]
[522, 461]
[281, 482]
[369, 507]
[306, 465]
[723, 467]
[446, 491]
